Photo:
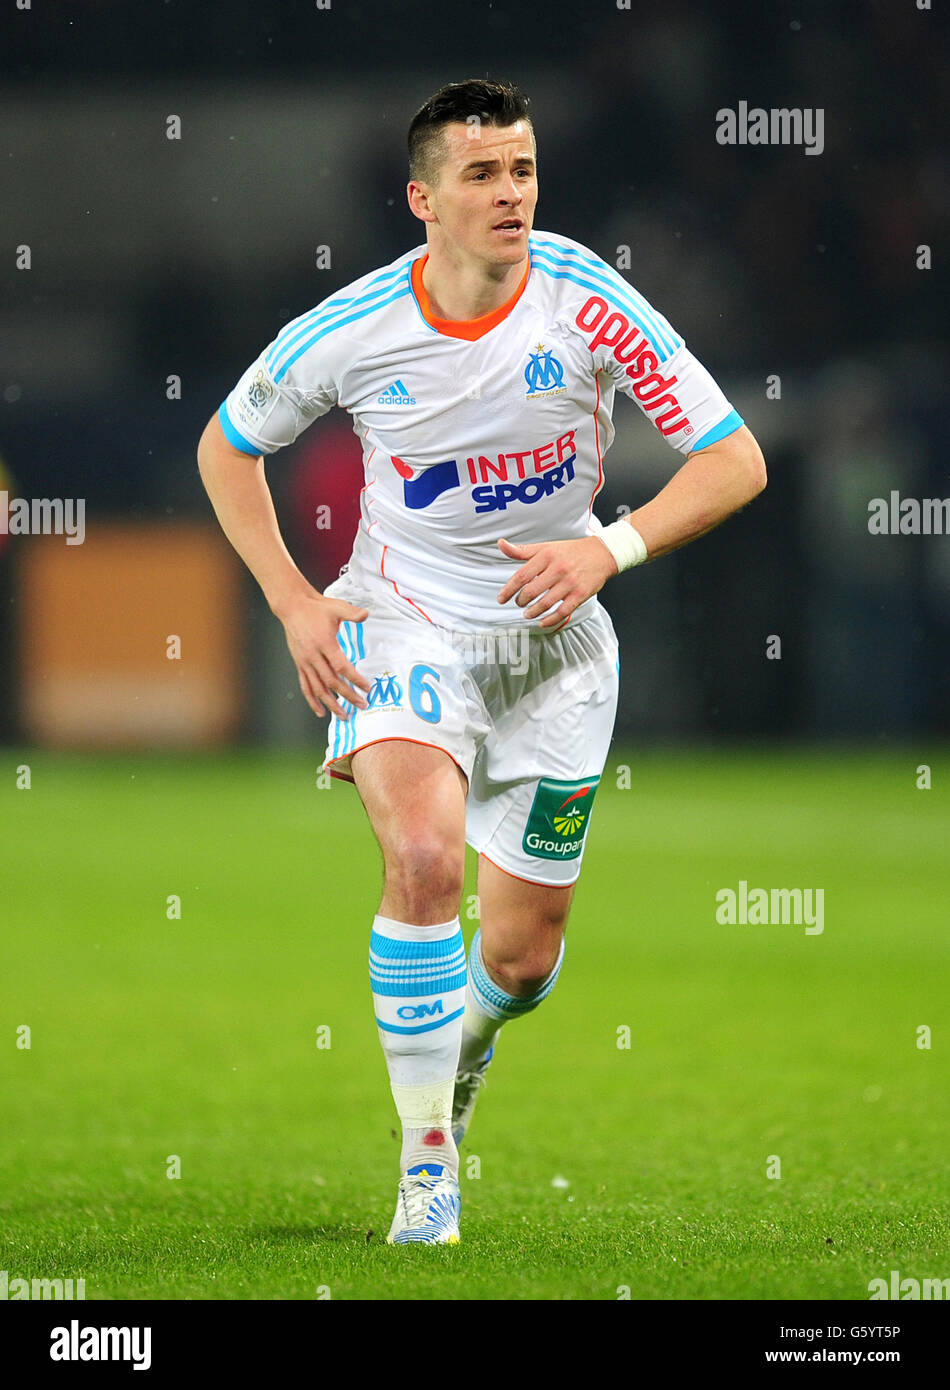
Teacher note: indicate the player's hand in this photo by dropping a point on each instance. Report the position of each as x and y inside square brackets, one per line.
[323, 670]
[566, 573]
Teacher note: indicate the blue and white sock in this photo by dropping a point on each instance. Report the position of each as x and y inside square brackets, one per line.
[488, 1006]
[418, 980]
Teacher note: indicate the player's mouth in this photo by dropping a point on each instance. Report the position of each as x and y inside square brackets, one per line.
[510, 228]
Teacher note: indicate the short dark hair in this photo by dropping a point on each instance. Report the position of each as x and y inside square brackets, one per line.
[494, 103]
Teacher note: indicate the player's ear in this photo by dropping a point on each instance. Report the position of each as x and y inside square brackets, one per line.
[418, 196]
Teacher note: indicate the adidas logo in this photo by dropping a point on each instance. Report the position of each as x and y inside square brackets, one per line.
[396, 394]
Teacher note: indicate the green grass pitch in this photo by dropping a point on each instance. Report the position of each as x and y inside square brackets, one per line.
[154, 1037]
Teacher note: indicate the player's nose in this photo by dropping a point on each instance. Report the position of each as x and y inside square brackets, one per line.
[510, 192]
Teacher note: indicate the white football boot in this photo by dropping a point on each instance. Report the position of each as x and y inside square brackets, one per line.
[427, 1208]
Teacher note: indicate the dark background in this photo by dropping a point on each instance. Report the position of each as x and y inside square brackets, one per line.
[154, 257]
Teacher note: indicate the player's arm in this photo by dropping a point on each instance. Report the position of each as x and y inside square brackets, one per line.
[711, 485]
[237, 487]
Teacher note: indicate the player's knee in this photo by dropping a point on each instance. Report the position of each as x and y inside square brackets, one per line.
[424, 867]
[523, 974]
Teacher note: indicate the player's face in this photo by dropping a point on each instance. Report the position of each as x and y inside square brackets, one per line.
[487, 190]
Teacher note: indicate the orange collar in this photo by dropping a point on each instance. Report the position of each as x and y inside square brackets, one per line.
[470, 329]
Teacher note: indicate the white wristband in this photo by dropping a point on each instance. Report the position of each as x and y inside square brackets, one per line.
[625, 544]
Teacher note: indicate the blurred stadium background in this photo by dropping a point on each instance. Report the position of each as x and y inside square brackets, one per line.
[155, 258]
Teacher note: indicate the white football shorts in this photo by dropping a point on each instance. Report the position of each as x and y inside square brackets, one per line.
[526, 714]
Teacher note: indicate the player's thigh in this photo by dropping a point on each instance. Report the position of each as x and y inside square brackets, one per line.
[522, 923]
[421, 702]
[534, 782]
[414, 795]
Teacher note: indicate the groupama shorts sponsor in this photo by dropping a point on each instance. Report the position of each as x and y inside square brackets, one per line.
[559, 816]
[530, 726]
[552, 849]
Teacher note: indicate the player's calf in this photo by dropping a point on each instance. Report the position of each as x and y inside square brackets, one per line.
[418, 975]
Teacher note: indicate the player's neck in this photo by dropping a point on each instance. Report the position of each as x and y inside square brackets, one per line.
[463, 290]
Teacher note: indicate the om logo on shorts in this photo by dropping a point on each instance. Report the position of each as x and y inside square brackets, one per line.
[385, 690]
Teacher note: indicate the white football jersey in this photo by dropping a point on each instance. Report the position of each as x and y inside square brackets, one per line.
[473, 431]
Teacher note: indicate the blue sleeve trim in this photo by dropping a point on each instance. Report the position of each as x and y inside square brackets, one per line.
[231, 435]
[729, 425]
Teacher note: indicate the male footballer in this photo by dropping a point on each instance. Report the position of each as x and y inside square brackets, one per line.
[468, 669]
